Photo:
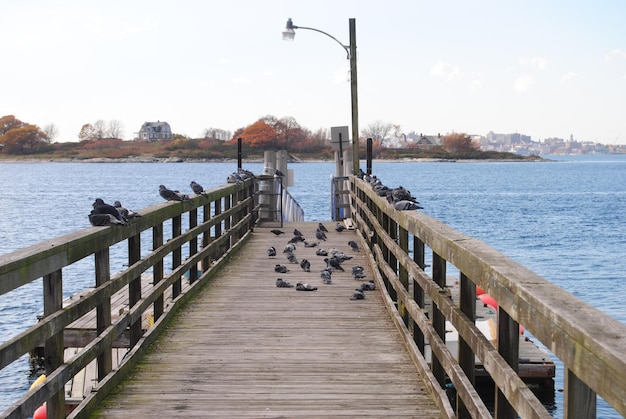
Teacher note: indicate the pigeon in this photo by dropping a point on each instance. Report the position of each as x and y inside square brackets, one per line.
[271, 251]
[279, 173]
[326, 274]
[323, 228]
[305, 287]
[290, 248]
[367, 286]
[125, 212]
[353, 245]
[321, 252]
[311, 244]
[357, 295]
[297, 232]
[283, 284]
[339, 228]
[100, 207]
[320, 235]
[334, 264]
[98, 220]
[358, 272]
[234, 178]
[406, 205]
[292, 258]
[296, 239]
[281, 269]
[277, 232]
[196, 188]
[305, 265]
[171, 195]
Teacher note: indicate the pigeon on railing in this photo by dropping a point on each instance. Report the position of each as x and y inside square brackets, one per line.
[170, 195]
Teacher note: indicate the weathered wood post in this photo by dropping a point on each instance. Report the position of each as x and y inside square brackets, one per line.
[53, 347]
[134, 287]
[467, 359]
[439, 319]
[157, 271]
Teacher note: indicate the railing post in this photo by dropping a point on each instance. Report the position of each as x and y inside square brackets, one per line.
[157, 271]
[419, 257]
[467, 359]
[508, 347]
[403, 274]
[53, 347]
[580, 400]
[227, 224]
[193, 245]
[103, 310]
[439, 319]
[134, 287]
[177, 255]
[206, 236]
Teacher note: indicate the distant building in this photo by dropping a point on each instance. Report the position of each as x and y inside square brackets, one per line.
[155, 131]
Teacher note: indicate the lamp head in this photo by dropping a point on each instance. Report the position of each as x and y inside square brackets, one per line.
[289, 34]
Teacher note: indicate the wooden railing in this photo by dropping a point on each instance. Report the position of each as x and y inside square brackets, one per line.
[227, 215]
[590, 344]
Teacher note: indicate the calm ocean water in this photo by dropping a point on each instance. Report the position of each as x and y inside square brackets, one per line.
[565, 220]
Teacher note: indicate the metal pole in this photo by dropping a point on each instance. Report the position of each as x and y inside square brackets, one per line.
[355, 100]
[369, 156]
[239, 152]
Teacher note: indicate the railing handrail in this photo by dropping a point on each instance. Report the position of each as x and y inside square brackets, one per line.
[591, 344]
[234, 212]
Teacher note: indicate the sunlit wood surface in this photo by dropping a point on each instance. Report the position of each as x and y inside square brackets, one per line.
[245, 348]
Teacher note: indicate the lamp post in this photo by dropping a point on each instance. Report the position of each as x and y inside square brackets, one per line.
[289, 35]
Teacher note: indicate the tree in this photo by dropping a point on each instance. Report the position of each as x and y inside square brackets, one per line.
[27, 138]
[99, 128]
[260, 135]
[51, 131]
[114, 129]
[87, 133]
[9, 122]
[379, 130]
[459, 143]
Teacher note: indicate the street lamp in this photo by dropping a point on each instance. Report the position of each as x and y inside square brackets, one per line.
[289, 34]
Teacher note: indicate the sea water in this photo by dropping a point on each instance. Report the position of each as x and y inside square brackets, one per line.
[564, 219]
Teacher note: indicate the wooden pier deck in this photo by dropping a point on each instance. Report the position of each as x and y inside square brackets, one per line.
[246, 348]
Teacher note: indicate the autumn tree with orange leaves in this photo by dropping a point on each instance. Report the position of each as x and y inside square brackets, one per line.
[19, 137]
[459, 143]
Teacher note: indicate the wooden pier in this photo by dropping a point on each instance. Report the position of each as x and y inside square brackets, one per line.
[196, 326]
[246, 348]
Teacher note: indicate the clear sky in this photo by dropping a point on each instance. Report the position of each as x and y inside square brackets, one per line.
[541, 68]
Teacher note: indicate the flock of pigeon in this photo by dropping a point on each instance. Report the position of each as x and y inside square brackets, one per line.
[104, 214]
[333, 259]
[399, 197]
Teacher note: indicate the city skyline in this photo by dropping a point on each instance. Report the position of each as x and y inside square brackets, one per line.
[543, 69]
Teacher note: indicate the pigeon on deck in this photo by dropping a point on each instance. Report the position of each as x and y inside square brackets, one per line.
[367, 286]
[353, 245]
[357, 295]
[305, 265]
[322, 227]
[277, 232]
[339, 227]
[271, 251]
[326, 276]
[305, 287]
[320, 235]
[281, 269]
[283, 284]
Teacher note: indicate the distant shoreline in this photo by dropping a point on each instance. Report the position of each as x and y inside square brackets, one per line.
[185, 160]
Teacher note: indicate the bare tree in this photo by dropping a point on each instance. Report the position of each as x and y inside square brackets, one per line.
[378, 130]
[51, 132]
[115, 129]
[99, 128]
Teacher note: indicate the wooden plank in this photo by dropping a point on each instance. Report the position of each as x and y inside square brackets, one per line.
[246, 348]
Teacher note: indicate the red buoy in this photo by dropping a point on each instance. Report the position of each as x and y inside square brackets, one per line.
[40, 413]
